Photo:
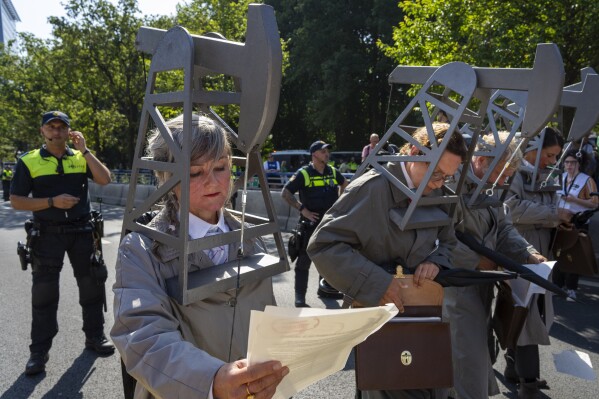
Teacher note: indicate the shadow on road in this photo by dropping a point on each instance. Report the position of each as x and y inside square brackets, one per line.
[577, 323]
[68, 386]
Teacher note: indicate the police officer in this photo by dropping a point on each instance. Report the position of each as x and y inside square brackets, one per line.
[6, 178]
[56, 176]
[319, 186]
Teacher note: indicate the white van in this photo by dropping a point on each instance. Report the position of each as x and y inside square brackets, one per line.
[294, 159]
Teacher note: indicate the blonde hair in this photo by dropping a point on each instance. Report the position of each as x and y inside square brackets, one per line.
[456, 144]
[488, 141]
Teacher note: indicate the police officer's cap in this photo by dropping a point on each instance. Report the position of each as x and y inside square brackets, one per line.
[55, 115]
[318, 145]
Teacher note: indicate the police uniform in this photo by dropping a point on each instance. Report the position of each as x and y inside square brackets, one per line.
[42, 175]
[317, 192]
[6, 178]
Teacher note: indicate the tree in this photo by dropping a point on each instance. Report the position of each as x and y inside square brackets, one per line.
[492, 33]
[100, 73]
[497, 34]
[336, 85]
[24, 86]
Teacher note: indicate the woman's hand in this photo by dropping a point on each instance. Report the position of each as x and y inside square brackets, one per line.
[564, 215]
[486, 264]
[392, 294]
[237, 380]
[424, 271]
[536, 259]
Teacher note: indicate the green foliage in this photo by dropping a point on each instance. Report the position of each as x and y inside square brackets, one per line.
[490, 33]
[335, 87]
[337, 57]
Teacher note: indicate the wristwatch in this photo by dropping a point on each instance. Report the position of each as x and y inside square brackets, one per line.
[301, 208]
[50, 202]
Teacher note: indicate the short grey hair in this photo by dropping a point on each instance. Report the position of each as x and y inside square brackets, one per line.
[488, 140]
[208, 140]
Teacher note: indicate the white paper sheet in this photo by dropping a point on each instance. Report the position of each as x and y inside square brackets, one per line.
[313, 343]
[523, 290]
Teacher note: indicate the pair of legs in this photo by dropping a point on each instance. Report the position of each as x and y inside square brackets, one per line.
[6, 189]
[302, 269]
[468, 310]
[48, 255]
[563, 279]
[522, 363]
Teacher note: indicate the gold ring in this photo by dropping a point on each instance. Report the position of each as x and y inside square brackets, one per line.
[247, 389]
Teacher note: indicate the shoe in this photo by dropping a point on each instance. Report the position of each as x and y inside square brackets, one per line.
[571, 296]
[510, 370]
[325, 290]
[36, 363]
[529, 390]
[100, 344]
[300, 301]
[542, 384]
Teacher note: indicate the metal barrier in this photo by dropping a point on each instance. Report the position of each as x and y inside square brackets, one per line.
[276, 180]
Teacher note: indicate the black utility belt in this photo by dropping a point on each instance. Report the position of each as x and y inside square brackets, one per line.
[66, 228]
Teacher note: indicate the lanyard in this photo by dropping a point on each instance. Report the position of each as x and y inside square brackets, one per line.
[569, 188]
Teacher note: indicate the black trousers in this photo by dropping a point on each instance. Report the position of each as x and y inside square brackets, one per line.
[6, 189]
[48, 256]
[303, 261]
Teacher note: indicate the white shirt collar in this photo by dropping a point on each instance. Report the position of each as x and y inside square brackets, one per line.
[199, 227]
[409, 181]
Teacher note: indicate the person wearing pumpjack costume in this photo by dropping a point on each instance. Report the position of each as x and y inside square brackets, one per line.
[319, 186]
[535, 214]
[176, 351]
[360, 261]
[468, 308]
[56, 176]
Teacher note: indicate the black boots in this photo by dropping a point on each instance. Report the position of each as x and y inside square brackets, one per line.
[36, 363]
[300, 301]
[325, 290]
[510, 368]
[100, 345]
[301, 286]
[529, 390]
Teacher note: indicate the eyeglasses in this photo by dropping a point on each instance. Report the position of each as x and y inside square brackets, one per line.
[439, 176]
[570, 162]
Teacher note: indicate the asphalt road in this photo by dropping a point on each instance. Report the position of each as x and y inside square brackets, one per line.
[74, 372]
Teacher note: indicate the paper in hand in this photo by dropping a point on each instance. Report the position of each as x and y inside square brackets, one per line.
[313, 343]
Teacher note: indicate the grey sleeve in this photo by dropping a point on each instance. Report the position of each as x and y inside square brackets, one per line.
[509, 240]
[526, 211]
[146, 332]
[334, 247]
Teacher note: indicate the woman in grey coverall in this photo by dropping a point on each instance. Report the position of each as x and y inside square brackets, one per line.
[359, 240]
[176, 351]
[535, 214]
[468, 309]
